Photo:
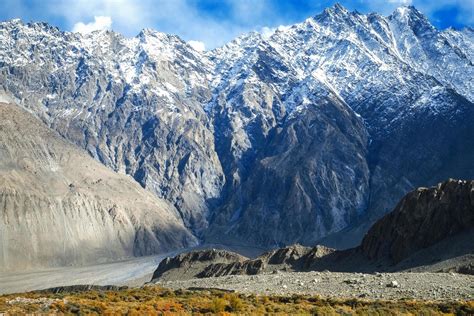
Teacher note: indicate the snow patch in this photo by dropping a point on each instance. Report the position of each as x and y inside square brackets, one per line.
[4, 98]
[100, 23]
[197, 45]
[267, 32]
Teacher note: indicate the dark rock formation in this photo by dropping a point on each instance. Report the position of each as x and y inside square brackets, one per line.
[306, 174]
[291, 258]
[191, 263]
[431, 229]
[421, 219]
[213, 263]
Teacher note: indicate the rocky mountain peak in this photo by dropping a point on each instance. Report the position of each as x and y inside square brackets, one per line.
[11, 23]
[150, 35]
[337, 14]
[410, 17]
[407, 13]
[336, 10]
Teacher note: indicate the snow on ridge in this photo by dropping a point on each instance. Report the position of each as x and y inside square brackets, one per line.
[351, 53]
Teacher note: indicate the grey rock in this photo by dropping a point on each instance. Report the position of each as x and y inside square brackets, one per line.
[133, 104]
[424, 218]
[215, 263]
[46, 222]
[192, 264]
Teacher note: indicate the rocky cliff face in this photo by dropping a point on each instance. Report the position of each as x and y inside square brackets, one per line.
[133, 104]
[321, 127]
[188, 265]
[421, 219]
[302, 184]
[373, 64]
[61, 207]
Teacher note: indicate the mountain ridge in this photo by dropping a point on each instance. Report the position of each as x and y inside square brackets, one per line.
[368, 117]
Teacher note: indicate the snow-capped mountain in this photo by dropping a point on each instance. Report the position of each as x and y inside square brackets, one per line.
[403, 121]
[319, 128]
[134, 104]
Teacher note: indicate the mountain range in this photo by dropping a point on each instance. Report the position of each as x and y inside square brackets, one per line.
[306, 135]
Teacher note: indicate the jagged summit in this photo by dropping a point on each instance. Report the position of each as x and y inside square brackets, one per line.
[407, 12]
[336, 9]
[335, 14]
[152, 33]
[410, 17]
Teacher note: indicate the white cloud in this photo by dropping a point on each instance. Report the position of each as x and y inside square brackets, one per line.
[100, 23]
[401, 2]
[182, 17]
[186, 19]
[267, 31]
[197, 45]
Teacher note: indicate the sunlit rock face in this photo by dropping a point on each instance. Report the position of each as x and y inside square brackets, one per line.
[60, 207]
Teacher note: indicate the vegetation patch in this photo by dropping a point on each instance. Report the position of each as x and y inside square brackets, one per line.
[158, 300]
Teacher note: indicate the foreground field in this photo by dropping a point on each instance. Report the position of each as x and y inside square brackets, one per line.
[155, 299]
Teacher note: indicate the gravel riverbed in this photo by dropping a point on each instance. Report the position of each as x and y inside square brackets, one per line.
[422, 286]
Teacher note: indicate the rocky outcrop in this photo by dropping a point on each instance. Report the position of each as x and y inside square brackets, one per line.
[214, 263]
[292, 258]
[190, 264]
[431, 229]
[421, 219]
[60, 207]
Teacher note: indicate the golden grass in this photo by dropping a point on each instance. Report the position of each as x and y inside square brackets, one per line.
[155, 300]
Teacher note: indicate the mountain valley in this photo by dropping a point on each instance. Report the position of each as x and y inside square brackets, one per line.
[329, 144]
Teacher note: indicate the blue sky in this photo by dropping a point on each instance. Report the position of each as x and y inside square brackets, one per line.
[211, 22]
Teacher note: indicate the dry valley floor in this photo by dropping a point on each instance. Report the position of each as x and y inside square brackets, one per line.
[419, 286]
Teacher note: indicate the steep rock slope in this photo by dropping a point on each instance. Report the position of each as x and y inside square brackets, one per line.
[133, 104]
[58, 206]
[316, 130]
[421, 219]
[415, 115]
[310, 179]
